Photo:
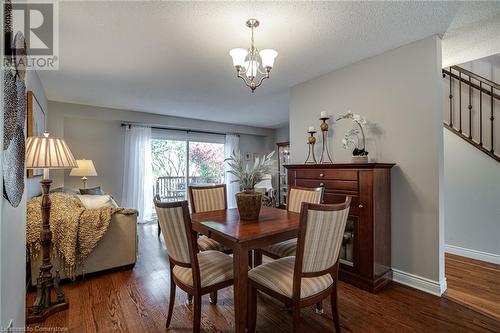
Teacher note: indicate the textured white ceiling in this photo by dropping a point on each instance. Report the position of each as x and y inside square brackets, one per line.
[172, 57]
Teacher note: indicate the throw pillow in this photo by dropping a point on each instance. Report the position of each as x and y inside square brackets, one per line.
[64, 190]
[92, 191]
[97, 201]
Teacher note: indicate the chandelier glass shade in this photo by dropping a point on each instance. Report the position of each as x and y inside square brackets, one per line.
[253, 66]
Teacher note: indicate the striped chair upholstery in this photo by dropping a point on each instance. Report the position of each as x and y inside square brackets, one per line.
[277, 275]
[283, 249]
[206, 244]
[215, 267]
[323, 239]
[205, 199]
[296, 198]
[174, 233]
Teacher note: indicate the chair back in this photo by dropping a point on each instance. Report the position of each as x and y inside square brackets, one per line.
[298, 195]
[207, 198]
[320, 236]
[175, 224]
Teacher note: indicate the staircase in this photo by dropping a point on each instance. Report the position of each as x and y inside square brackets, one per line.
[474, 106]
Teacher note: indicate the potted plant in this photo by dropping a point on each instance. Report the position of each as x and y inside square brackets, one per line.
[352, 139]
[249, 201]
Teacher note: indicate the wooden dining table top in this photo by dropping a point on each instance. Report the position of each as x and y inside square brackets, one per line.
[227, 224]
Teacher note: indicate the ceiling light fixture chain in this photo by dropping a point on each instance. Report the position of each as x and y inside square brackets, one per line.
[252, 62]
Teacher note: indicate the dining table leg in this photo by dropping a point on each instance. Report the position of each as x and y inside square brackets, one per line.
[240, 267]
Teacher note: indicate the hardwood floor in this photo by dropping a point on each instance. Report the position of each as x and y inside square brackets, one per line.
[136, 301]
[473, 283]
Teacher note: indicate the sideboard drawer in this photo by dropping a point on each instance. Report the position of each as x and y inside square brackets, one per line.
[333, 185]
[327, 174]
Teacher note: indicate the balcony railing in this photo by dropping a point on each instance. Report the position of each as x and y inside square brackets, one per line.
[173, 188]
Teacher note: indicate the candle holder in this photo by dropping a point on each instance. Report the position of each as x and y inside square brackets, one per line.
[311, 140]
[324, 147]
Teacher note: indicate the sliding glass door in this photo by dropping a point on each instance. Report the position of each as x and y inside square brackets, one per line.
[169, 168]
[181, 159]
[206, 163]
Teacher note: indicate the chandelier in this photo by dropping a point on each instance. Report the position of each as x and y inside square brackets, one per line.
[253, 66]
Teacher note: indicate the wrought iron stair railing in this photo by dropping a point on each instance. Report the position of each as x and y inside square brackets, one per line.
[473, 104]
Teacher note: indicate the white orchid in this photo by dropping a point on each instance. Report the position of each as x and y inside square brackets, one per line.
[351, 138]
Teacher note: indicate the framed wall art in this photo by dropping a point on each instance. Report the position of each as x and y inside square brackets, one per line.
[35, 124]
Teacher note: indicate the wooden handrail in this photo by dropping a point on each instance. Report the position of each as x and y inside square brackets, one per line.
[477, 77]
[474, 85]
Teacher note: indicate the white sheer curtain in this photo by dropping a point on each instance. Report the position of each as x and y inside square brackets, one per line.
[138, 173]
[232, 143]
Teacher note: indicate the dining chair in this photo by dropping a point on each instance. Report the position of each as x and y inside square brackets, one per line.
[311, 275]
[197, 273]
[297, 195]
[207, 199]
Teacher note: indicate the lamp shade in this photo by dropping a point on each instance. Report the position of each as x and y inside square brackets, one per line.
[268, 56]
[85, 168]
[238, 56]
[43, 152]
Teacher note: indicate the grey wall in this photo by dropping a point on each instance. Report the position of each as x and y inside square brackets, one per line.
[255, 145]
[400, 93]
[472, 197]
[283, 134]
[96, 133]
[13, 239]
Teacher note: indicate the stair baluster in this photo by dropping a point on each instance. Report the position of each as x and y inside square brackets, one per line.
[484, 86]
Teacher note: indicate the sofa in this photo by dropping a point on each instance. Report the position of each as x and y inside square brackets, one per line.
[116, 250]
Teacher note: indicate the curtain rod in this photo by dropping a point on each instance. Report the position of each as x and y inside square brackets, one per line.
[177, 129]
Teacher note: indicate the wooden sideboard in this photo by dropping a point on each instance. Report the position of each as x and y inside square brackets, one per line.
[365, 257]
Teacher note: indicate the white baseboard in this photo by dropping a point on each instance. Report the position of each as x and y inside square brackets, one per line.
[473, 254]
[429, 286]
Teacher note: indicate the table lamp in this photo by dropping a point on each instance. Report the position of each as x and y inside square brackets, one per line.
[47, 153]
[85, 169]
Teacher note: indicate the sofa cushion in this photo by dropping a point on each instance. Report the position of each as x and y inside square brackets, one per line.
[65, 190]
[92, 191]
[97, 201]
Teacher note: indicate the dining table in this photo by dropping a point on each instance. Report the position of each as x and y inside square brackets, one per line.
[243, 236]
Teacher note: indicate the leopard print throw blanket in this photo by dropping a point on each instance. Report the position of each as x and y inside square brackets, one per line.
[75, 230]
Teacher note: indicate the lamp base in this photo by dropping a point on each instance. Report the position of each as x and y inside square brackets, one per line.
[32, 318]
[43, 306]
[84, 182]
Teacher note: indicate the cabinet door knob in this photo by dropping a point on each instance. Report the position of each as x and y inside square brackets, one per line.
[360, 206]
[321, 175]
[321, 184]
